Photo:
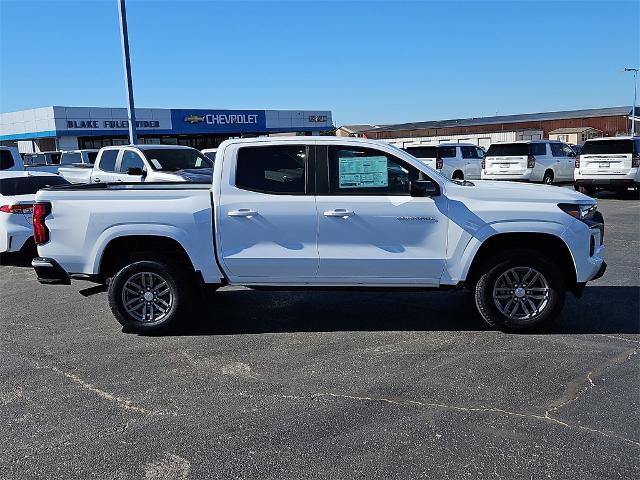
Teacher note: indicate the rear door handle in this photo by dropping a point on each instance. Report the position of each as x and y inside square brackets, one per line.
[242, 212]
[338, 212]
[97, 180]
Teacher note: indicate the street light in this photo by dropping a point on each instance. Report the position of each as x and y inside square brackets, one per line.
[635, 96]
[124, 40]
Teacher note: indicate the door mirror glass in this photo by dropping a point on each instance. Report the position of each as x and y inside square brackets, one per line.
[423, 188]
[136, 171]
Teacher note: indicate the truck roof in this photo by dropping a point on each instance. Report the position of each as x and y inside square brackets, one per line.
[146, 146]
[606, 139]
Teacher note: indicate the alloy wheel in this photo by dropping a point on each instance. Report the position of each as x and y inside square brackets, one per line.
[521, 293]
[147, 297]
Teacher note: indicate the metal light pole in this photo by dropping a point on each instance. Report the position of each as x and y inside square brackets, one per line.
[635, 97]
[124, 40]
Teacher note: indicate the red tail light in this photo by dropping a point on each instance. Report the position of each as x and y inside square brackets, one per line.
[23, 208]
[531, 161]
[635, 161]
[439, 163]
[40, 230]
[577, 161]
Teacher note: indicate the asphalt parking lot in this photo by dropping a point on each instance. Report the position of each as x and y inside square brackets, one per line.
[324, 385]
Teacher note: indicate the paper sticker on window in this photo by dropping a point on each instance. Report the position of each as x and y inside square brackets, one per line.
[363, 172]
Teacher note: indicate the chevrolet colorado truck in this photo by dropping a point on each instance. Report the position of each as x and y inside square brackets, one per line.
[142, 163]
[320, 212]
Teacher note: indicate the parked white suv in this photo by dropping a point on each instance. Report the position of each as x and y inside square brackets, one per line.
[608, 163]
[458, 161]
[530, 160]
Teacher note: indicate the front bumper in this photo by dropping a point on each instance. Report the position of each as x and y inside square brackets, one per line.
[50, 272]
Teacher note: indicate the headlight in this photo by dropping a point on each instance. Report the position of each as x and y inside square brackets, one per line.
[581, 211]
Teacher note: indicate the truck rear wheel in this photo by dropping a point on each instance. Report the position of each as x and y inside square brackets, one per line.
[519, 290]
[147, 295]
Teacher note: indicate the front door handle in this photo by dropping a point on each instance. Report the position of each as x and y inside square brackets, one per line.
[338, 212]
[242, 212]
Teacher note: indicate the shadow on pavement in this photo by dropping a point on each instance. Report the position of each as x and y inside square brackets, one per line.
[601, 310]
[18, 259]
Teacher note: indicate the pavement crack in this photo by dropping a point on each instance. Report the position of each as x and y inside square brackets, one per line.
[480, 409]
[580, 386]
[120, 402]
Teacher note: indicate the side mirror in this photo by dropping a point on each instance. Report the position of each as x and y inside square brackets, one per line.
[137, 171]
[423, 188]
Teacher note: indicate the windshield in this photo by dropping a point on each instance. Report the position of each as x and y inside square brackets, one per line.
[170, 160]
[28, 185]
[508, 150]
[607, 147]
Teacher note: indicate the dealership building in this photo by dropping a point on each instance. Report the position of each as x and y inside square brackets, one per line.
[69, 128]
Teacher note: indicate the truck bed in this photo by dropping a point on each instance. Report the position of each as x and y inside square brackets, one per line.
[84, 218]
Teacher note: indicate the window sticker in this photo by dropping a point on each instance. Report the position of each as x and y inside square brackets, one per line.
[156, 164]
[363, 172]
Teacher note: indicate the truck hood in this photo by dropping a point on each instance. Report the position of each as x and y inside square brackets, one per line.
[502, 191]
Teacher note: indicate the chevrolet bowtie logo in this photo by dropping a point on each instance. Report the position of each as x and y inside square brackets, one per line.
[194, 119]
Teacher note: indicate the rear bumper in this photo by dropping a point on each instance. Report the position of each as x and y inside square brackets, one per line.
[50, 272]
[606, 182]
[526, 176]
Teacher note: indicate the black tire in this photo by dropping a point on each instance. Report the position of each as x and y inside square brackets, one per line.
[457, 175]
[490, 276]
[548, 178]
[176, 281]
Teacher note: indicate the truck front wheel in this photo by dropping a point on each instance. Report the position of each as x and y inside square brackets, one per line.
[519, 290]
[147, 295]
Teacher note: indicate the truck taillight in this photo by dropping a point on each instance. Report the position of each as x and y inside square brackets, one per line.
[531, 161]
[23, 208]
[40, 230]
[635, 160]
[577, 161]
[439, 163]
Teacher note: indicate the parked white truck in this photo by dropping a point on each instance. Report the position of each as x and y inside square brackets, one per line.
[142, 163]
[321, 212]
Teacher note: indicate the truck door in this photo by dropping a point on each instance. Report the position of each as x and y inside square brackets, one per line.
[369, 227]
[266, 218]
[105, 169]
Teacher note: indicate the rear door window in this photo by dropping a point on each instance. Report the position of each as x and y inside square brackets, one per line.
[277, 170]
[471, 152]
[446, 152]
[6, 160]
[539, 149]
[108, 160]
[556, 150]
[71, 157]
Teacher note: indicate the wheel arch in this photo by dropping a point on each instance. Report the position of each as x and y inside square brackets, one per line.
[548, 244]
[128, 248]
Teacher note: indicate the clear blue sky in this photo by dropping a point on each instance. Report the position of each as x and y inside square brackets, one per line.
[368, 62]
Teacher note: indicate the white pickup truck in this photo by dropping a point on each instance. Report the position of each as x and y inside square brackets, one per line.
[321, 212]
[142, 163]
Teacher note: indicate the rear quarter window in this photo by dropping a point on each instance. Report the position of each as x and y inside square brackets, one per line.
[447, 152]
[539, 149]
[6, 160]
